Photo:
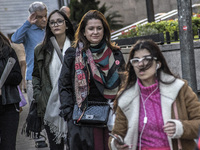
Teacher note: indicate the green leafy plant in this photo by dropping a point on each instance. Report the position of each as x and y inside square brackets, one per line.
[160, 27]
[195, 24]
[130, 33]
[146, 30]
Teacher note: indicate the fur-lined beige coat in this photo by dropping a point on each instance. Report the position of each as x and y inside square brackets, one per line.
[188, 106]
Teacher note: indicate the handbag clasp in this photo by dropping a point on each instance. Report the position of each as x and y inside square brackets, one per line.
[89, 116]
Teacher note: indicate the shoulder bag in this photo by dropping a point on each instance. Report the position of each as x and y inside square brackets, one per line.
[34, 124]
[93, 114]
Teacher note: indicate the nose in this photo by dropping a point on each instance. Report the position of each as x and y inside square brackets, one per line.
[95, 31]
[56, 24]
[140, 63]
[44, 18]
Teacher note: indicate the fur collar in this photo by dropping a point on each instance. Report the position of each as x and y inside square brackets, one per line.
[167, 90]
[129, 103]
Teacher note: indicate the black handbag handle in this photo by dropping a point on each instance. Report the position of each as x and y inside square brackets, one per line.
[85, 107]
[99, 103]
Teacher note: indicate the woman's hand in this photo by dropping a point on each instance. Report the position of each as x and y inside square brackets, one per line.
[120, 146]
[170, 128]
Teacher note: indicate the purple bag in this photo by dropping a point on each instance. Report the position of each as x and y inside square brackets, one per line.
[23, 100]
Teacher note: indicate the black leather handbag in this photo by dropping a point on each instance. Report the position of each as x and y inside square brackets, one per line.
[93, 114]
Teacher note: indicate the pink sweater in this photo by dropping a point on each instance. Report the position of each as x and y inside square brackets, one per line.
[153, 134]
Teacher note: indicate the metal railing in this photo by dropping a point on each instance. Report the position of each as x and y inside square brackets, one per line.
[158, 17]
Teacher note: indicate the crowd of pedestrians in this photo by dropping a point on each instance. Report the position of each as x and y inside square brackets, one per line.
[73, 72]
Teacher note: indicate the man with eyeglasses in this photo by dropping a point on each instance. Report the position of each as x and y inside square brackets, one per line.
[30, 34]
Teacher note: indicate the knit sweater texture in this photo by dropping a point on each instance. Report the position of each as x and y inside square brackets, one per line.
[151, 134]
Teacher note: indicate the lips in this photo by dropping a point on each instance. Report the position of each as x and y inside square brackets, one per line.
[56, 29]
[95, 37]
[141, 72]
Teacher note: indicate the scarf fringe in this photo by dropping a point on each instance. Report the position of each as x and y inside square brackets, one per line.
[55, 130]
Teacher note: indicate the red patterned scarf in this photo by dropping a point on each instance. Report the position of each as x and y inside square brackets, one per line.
[103, 69]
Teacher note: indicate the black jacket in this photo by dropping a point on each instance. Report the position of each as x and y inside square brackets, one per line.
[80, 137]
[10, 93]
[66, 81]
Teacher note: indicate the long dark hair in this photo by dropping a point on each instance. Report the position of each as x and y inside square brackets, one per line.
[5, 47]
[69, 31]
[130, 75]
[79, 35]
[3, 40]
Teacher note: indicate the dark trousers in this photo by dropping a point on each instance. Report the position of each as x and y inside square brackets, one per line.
[80, 137]
[101, 138]
[51, 138]
[9, 120]
[87, 138]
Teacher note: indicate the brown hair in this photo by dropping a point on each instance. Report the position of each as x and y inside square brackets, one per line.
[130, 75]
[69, 31]
[79, 35]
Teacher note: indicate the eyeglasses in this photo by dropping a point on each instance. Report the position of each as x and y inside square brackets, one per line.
[58, 22]
[145, 60]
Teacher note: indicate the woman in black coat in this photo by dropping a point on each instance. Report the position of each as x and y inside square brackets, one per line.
[89, 73]
[9, 97]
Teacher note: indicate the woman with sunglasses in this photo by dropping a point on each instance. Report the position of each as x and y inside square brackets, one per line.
[155, 109]
[47, 67]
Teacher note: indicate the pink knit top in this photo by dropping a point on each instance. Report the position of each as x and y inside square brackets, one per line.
[153, 134]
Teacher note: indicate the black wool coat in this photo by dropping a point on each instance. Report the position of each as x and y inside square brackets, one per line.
[77, 134]
[10, 93]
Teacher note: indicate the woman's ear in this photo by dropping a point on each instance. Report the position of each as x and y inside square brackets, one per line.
[158, 65]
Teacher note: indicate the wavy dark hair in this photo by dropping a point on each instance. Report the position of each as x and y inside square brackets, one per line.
[5, 47]
[79, 35]
[3, 40]
[69, 32]
[129, 73]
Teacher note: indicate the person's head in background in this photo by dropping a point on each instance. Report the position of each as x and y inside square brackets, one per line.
[58, 24]
[66, 10]
[40, 10]
[92, 29]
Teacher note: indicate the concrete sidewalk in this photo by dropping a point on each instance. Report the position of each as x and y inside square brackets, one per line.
[23, 142]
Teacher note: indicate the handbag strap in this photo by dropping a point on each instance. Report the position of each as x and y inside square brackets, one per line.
[176, 117]
[82, 113]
